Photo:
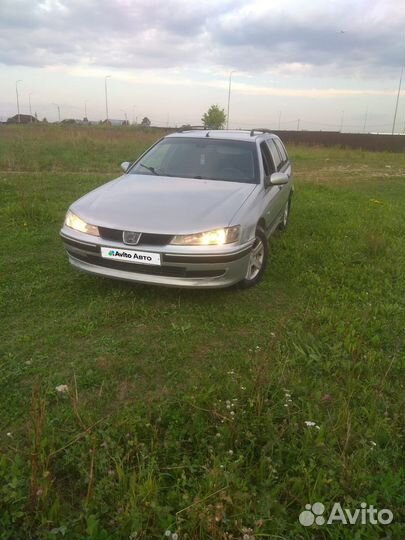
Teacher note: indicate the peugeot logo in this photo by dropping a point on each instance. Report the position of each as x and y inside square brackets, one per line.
[131, 238]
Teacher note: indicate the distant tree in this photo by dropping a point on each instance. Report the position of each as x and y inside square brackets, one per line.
[146, 122]
[44, 121]
[214, 118]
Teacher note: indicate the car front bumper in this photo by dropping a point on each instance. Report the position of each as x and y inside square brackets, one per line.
[191, 266]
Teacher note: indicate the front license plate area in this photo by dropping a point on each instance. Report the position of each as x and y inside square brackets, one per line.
[131, 256]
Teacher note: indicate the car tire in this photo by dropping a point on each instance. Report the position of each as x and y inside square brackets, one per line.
[286, 215]
[257, 260]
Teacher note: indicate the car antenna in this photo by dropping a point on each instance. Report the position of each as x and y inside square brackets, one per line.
[208, 134]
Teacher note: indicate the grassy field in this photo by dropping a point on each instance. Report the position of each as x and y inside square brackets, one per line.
[186, 411]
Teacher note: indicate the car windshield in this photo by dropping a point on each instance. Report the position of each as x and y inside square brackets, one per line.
[208, 159]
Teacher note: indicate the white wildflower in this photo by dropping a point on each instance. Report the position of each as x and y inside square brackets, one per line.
[232, 413]
[373, 443]
[230, 452]
[311, 424]
[175, 536]
[62, 388]
[168, 533]
[9, 434]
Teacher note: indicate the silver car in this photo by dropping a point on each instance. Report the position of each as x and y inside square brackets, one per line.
[195, 210]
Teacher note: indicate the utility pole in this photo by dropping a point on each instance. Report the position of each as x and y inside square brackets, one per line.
[298, 124]
[396, 104]
[342, 121]
[57, 106]
[29, 102]
[279, 120]
[106, 96]
[229, 98]
[18, 101]
[125, 116]
[365, 120]
[85, 109]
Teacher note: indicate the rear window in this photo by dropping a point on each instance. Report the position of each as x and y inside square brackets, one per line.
[201, 158]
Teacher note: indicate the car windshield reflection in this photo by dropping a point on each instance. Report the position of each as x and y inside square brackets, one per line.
[213, 159]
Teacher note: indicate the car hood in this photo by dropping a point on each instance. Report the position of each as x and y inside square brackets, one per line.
[160, 204]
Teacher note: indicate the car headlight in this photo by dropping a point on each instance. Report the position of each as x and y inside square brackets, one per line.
[217, 237]
[78, 224]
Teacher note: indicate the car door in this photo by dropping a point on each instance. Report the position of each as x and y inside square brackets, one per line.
[271, 194]
[282, 164]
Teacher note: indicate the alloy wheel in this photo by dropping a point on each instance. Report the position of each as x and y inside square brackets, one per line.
[256, 259]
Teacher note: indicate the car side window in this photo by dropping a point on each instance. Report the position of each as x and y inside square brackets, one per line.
[268, 164]
[281, 144]
[281, 150]
[278, 162]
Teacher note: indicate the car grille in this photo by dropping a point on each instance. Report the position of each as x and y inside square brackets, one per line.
[168, 271]
[115, 235]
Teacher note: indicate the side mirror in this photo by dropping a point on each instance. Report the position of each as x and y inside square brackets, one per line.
[267, 181]
[279, 179]
[125, 165]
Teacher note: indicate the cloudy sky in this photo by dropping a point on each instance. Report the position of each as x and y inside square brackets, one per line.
[324, 63]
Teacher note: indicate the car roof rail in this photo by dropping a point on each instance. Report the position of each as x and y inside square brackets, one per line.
[259, 130]
[192, 128]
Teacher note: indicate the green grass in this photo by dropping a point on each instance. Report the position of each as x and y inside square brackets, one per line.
[144, 440]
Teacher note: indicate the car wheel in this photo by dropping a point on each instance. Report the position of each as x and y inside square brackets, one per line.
[286, 214]
[257, 260]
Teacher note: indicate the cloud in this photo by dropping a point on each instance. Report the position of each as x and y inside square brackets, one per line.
[337, 38]
[345, 38]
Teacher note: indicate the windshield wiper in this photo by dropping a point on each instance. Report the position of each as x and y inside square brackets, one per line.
[151, 169]
[155, 171]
